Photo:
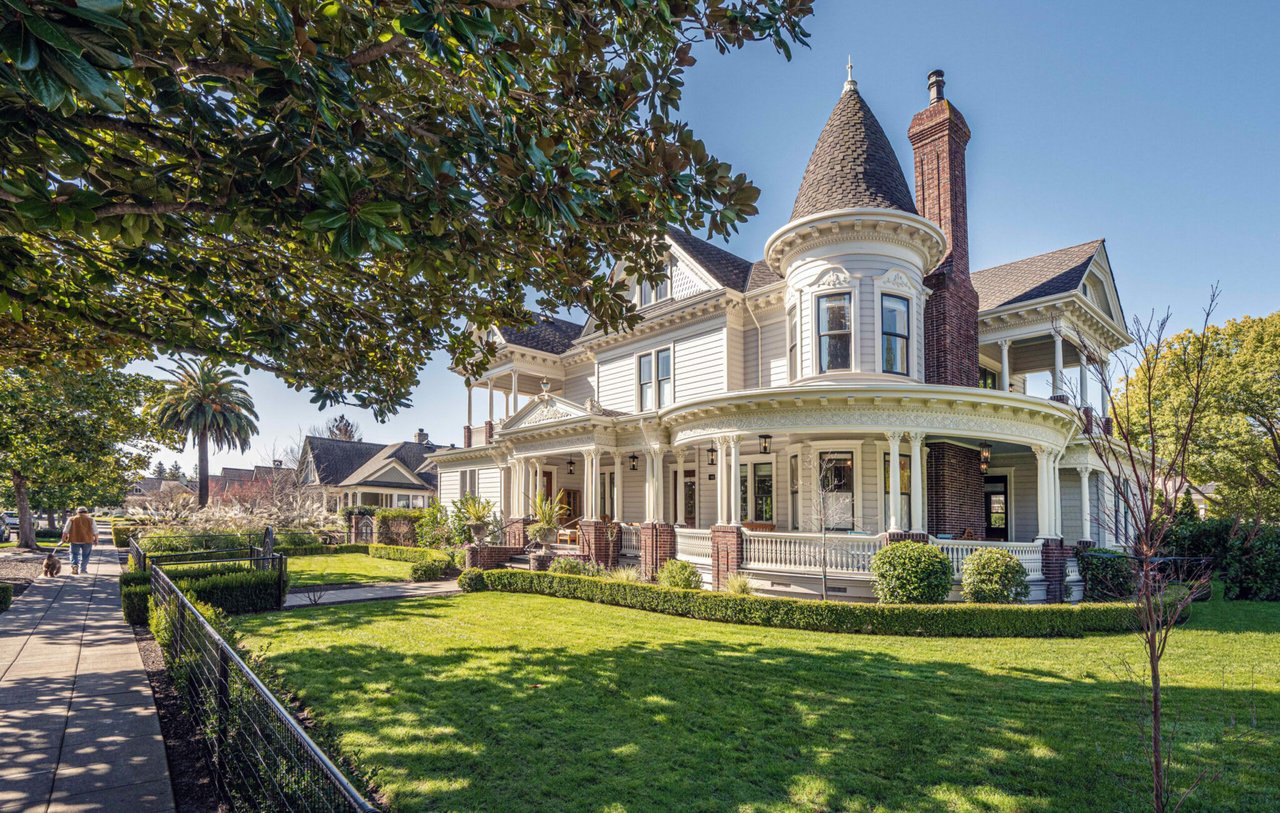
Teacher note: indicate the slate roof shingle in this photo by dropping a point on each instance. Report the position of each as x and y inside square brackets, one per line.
[550, 335]
[853, 164]
[1055, 272]
[726, 268]
[335, 460]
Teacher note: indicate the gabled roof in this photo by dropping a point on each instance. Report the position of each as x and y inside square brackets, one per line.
[853, 164]
[726, 268]
[762, 276]
[236, 474]
[1050, 274]
[335, 460]
[550, 335]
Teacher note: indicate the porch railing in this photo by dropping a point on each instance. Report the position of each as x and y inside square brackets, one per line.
[629, 540]
[693, 545]
[1027, 552]
[804, 551]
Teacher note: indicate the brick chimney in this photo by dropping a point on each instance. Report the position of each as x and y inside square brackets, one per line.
[938, 137]
[421, 437]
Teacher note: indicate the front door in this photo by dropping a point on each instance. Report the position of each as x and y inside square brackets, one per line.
[996, 499]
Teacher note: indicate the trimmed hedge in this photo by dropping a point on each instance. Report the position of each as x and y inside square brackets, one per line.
[243, 591]
[427, 571]
[319, 550]
[993, 576]
[135, 601]
[122, 533]
[399, 553]
[942, 620]
[471, 580]
[1246, 559]
[6, 596]
[398, 523]
[678, 573]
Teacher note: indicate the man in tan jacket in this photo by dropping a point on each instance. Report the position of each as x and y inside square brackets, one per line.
[81, 532]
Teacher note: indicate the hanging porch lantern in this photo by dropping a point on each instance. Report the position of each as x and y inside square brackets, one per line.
[633, 460]
[984, 457]
[764, 443]
[571, 465]
[711, 456]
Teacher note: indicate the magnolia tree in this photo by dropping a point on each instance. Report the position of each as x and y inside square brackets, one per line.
[1146, 460]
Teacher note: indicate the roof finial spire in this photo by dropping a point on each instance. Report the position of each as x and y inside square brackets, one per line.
[849, 84]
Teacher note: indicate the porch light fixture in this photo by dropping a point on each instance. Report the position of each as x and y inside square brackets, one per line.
[633, 460]
[571, 465]
[711, 456]
[764, 443]
[984, 457]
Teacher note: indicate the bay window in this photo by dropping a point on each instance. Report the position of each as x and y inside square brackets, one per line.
[835, 336]
[895, 334]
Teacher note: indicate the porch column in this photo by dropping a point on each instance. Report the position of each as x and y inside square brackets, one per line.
[515, 391]
[1106, 387]
[1004, 365]
[735, 493]
[1042, 492]
[489, 385]
[1056, 481]
[537, 473]
[1084, 381]
[1057, 363]
[722, 497]
[660, 503]
[1085, 531]
[469, 399]
[590, 507]
[895, 480]
[680, 515]
[917, 483]
[617, 486]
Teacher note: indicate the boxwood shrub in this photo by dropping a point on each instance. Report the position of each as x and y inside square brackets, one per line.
[678, 573]
[1108, 575]
[135, 601]
[576, 566]
[6, 596]
[400, 553]
[910, 572]
[993, 576]
[122, 533]
[943, 620]
[319, 550]
[236, 592]
[471, 580]
[427, 571]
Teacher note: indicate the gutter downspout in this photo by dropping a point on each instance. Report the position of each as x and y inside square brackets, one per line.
[746, 302]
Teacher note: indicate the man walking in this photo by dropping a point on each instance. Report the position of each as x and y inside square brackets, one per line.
[81, 532]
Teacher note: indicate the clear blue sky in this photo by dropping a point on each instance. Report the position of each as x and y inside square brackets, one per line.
[1154, 125]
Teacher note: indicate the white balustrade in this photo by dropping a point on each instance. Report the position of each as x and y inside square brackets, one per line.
[958, 550]
[803, 552]
[629, 540]
[693, 545]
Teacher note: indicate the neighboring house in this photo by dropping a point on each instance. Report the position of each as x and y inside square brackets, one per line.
[858, 377]
[149, 489]
[247, 484]
[350, 473]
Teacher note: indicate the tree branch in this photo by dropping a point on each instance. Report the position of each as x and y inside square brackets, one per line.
[377, 51]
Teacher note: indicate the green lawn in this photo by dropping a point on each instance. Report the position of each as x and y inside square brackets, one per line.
[345, 568]
[489, 701]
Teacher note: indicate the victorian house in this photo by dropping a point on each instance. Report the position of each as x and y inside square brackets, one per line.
[855, 385]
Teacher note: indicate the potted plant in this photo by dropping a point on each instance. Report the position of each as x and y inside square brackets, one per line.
[477, 514]
[548, 512]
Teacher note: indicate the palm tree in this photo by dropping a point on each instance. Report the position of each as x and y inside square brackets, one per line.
[206, 401]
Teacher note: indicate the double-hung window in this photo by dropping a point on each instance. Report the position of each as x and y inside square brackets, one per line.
[835, 337]
[653, 379]
[793, 339]
[895, 334]
[755, 490]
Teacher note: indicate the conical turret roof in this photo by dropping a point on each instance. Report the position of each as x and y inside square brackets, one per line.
[853, 164]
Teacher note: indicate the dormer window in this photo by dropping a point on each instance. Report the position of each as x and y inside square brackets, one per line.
[1084, 290]
[895, 334]
[835, 338]
[653, 294]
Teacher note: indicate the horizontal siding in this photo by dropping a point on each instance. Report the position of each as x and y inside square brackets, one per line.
[489, 484]
[450, 486]
[579, 387]
[700, 365]
[617, 384]
[764, 354]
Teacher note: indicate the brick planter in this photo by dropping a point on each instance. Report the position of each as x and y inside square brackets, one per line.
[726, 553]
[540, 561]
[516, 535]
[488, 557]
[657, 545]
[594, 540]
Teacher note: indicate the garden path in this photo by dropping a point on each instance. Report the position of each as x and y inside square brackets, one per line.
[78, 724]
[369, 592]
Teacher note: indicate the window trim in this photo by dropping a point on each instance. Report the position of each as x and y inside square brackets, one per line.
[655, 381]
[885, 332]
[793, 341]
[848, 294]
[749, 461]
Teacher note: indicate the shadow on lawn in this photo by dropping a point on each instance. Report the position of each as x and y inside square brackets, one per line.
[702, 725]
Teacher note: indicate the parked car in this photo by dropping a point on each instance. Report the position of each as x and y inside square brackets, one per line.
[10, 525]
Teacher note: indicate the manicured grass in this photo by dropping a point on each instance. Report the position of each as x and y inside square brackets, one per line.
[345, 568]
[493, 701]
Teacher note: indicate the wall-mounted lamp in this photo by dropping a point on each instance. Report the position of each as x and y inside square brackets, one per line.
[984, 457]
[764, 443]
[571, 465]
[633, 460]
[711, 456]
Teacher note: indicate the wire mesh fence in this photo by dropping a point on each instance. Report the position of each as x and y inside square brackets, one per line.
[260, 755]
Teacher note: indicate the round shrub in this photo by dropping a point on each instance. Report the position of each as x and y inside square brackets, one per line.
[1108, 575]
[993, 576]
[428, 571]
[676, 573]
[575, 566]
[911, 573]
[471, 580]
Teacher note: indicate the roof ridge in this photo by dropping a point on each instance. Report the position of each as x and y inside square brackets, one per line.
[1097, 240]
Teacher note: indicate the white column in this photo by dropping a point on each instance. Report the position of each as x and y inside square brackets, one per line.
[1004, 365]
[895, 480]
[1057, 363]
[469, 420]
[648, 486]
[1106, 387]
[1084, 381]
[735, 494]
[489, 385]
[617, 486]
[589, 508]
[680, 514]
[515, 391]
[917, 482]
[1085, 513]
[659, 486]
[722, 482]
[1042, 492]
[537, 474]
[1057, 494]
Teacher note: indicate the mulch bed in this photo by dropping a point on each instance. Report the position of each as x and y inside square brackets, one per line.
[19, 570]
[193, 787]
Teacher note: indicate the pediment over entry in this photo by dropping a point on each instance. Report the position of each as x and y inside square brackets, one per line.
[544, 409]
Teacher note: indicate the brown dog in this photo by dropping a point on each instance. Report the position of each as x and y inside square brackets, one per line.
[52, 565]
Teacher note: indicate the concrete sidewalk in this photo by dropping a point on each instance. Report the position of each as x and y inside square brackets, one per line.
[78, 724]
